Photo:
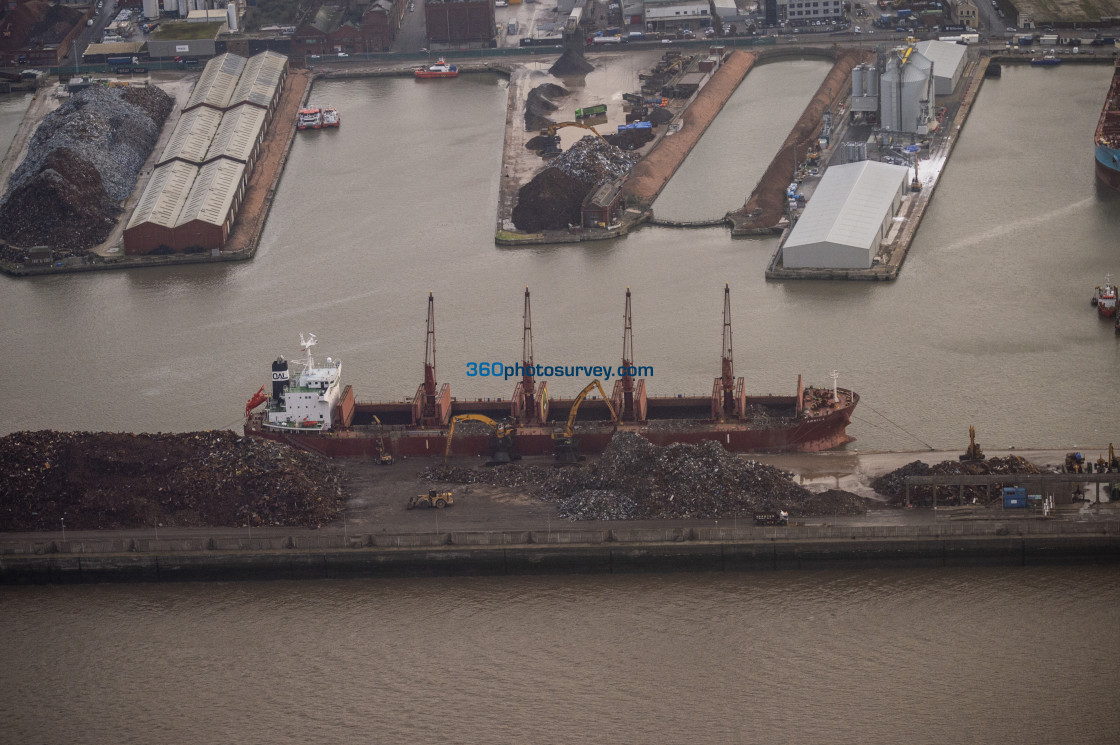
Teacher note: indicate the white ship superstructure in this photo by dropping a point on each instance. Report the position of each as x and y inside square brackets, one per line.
[309, 402]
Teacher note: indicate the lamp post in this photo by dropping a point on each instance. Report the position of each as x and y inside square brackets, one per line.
[63, 518]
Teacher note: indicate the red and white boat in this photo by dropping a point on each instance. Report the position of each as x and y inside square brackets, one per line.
[310, 119]
[331, 117]
[439, 70]
[1105, 299]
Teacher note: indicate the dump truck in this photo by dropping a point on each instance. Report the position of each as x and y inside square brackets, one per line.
[597, 110]
[437, 499]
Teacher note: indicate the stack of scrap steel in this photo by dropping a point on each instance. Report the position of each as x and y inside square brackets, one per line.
[552, 200]
[92, 480]
[635, 479]
[893, 485]
[80, 166]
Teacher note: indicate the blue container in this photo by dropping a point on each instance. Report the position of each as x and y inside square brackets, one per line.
[1014, 497]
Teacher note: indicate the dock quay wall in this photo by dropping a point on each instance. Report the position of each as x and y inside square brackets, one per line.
[619, 550]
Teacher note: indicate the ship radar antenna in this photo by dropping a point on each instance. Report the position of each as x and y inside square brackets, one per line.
[834, 375]
[306, 343]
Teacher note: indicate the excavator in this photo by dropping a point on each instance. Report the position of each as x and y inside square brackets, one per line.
[565, 445]
[384, 457]
[974, 452]
[552, 139]
[501, 441]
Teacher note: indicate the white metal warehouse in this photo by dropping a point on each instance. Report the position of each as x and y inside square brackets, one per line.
[849, 214]
[948, 60]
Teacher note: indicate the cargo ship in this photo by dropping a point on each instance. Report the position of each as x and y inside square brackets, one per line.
[1107, 137]
[439, 70]
[314, 411]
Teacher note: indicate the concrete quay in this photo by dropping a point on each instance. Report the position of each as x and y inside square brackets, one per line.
[614, 551]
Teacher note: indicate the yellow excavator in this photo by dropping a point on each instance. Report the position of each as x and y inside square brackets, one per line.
[384, 457]
[552, 139]
[501, 439]
[973, 452]
[565, 444]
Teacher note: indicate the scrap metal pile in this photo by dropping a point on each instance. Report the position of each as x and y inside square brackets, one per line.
[893, 485]
[80, 166]
[552, 200]
[636, 480]
[91, 480]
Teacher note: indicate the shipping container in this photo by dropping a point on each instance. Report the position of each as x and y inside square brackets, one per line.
[1014, 497]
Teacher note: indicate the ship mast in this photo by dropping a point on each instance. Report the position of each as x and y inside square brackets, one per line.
[429, 408]
[528, 385]
[627, 379]
[727, 380]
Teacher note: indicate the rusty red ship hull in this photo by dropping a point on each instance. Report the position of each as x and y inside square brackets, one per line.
[776, 427]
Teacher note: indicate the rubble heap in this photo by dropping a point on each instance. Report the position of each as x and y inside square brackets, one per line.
[80, 165]
[539, 105]
[571, 62]
[98, 480]
[893, 485]
[552, 200]
[635, 479]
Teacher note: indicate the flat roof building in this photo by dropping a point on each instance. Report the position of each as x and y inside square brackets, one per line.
[849, 214]
[949, 59]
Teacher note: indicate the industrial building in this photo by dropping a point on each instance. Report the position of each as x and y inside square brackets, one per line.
[948, 60]
[848, 216]
[455, 22]
[906, 93]
[191, 200]
[671, 15]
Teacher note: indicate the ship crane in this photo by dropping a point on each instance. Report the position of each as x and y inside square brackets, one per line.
[530, 400]
[626, 380]
[432, 403]
[729, 396]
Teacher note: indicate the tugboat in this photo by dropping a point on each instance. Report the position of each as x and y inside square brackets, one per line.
[1105, 299]
[331, 117]
[310, 119]
[439, 70]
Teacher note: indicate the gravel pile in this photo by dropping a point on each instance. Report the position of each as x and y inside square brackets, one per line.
[571, 62]
[635, 480]
[539, 106]
[552, 200]
[198, 479]
[82, 162]
[893, 485]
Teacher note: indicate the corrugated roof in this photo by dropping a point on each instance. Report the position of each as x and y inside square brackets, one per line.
[237, 134]
[849, 204]
[212, 193]
[216, 85]
[165, 195]
[260, 79]
[192, 135]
